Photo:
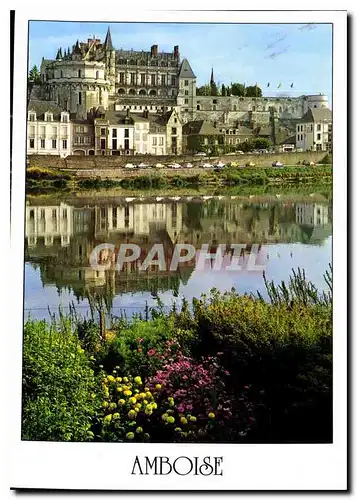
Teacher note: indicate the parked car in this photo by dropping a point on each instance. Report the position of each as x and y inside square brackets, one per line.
[277, 164]
[174, 165]
[201, 153]
[143, 165]
[206, 165]
[219, 165]
[129, 165]
[160, 165]
[187, 165]
[239, 152]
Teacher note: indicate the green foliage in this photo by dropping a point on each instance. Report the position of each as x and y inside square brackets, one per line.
[237, 89]
[253, 91]
[223, 90]
[34, 76]
[60, 390]
[261, 143]
[45, 173]
[133, 341]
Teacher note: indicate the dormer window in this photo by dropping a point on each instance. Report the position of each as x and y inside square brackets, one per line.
[48, 117]
[64, 117]
[32, 116]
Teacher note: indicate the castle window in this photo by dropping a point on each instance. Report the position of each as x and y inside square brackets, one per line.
[64, 118]
[198, 107]
[79, 98]
[102, 131]
[186, 92]
[163, 63]
[132, 92]
[54, 143]
[142, 63]
[64, 143]
[32, 143]
[114, 132]
[126, 132]
[79, 73]
[253, 108]
[97, 75]
[152, 92]
[142, 92]
[121, 77]
[214, 108]
[173, 81]
[153, 80]
[61, 74]
[48, 117]
[214, 101]
[43, 143]
[121, 91]
[32, 117]
[234, 107]
[186, 83]
[132, 62]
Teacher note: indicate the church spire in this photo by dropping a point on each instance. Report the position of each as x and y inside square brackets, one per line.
[108, 45]
[212, 78]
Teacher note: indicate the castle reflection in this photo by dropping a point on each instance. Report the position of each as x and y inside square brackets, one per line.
[60, 237]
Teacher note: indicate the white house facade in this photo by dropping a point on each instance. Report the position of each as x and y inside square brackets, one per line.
[49, 133]
[314, 130]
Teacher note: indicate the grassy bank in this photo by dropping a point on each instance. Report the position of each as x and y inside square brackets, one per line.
[41, 178]
[226, 368]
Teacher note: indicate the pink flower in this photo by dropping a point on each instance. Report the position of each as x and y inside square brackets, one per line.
[151, 352]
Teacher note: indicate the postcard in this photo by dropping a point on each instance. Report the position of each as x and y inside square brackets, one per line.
[179, 224]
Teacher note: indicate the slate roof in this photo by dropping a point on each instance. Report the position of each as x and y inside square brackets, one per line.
[200, 127]
[117, 118]
[186, 70]
[40, 107]
[317, 115]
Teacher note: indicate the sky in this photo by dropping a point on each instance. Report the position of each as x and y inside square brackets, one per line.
[237, 52]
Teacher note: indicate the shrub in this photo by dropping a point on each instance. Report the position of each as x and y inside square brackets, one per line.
[60, 397]
[326, 160]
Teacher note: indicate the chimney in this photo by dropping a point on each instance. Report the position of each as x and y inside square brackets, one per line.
[176, 51]
[154, 50]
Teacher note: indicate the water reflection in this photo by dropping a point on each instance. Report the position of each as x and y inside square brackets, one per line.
[60, 237]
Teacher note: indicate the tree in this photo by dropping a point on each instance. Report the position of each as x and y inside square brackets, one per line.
[214, 89]
[34, 76]
[237, 89]
[253, 91]
[204, 90]
[223, 90]
[261, 143]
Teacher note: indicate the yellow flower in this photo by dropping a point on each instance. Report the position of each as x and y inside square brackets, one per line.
[119, 379]
[121, 401]
[148, 411]
[132, 400]
[164, 416]
[108, 418]
[147, 389]
[116, 416]
[193, 419]
[119, 389]
[111, 378]
[125, 379]
[170, 420]
[137, 406]
[112, 406]
[211, 415]
[145, 402]
[132, 414]
[126, 388]
[149, 395]
[158, 386]
[183, 420]
[105, 404]
[138, 380]
[178, 429]
[172, 403]
[139, 430]
[154, 406]
[127, 393]
[142, 395]
[130, 435]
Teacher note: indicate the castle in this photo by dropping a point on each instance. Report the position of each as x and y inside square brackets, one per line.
[95, 74]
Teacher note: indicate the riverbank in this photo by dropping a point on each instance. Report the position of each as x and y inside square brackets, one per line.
[219, 370]
[55, 178]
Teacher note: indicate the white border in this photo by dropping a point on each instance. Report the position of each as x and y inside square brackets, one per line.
[246, 467]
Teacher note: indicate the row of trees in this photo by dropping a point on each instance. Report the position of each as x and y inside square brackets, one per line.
[235, 89]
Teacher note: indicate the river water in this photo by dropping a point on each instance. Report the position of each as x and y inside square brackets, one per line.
[280, 233]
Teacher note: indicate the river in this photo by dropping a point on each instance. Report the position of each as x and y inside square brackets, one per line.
[282, 232]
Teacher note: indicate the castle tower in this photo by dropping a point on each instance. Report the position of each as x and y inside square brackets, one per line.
[109, 60]
[186, 90]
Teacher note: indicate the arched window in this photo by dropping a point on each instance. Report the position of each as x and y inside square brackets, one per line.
[163, 63]
[214, 107]
[152, 92]
[132, 62]
[132, 92]
[122, 91]
[142, 92]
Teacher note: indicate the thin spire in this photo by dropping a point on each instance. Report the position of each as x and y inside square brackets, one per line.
[212, 78]
[108, 40]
